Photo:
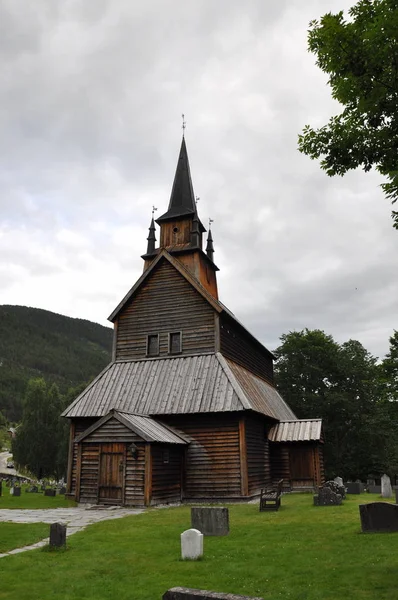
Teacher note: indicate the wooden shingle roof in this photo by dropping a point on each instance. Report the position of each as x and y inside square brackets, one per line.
[185, 385]
[300, 430]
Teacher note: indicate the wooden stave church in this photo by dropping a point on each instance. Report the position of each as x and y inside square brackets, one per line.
[187, 410]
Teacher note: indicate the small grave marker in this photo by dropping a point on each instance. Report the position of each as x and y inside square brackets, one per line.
[180, 593]
[339, 481]
[379, 517]
[326, 497]
[57, 535]
[210, 520]
[15, 491]
[191, 544]
[49, 492]
[386, 489]
[353, 487]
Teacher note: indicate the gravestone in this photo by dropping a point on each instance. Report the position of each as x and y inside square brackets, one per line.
[180, 593]
[379, 517]
[210, 520]
[49, 492]
[326, 497]
[353, 487]
[339, 481]
[61, 490]
[15, 491]
[374, 489]
[335, 487]
[396, 495]
[57, 535]
[386, 489]
[191, 544]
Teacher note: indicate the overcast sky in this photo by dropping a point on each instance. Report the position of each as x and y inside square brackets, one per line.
[91, 96]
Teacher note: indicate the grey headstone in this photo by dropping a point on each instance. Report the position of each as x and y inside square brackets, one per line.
[180, 593]
[374, 489]
[396, 495]
[15, 491]
[210, 520]
[339, 481]
[353, 487]
[379, 517]
[326, 497]
[49, 492]
[57, 535]
[386, 489]
[191, 544]
[62, 490]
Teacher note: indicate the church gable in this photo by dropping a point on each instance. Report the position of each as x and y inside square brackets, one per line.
[165, 316]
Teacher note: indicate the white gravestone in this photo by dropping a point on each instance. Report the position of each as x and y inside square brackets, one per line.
[386, 489]
[339, 480]
[191, 544]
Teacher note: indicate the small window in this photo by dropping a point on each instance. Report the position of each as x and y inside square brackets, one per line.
[152, 345]
[175, 342]
[165, 457]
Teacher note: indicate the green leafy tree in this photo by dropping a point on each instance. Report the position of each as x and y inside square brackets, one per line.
[340, 384]
[37, 442]
[390, 369]
[360, 56]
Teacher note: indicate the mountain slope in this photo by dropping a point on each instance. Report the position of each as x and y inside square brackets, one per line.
[39, 343]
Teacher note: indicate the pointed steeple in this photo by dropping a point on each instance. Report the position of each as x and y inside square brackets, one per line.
[151, 238]
[210, 246]
[182, 199]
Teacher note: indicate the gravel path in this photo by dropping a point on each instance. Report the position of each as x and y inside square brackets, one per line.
[76, 519]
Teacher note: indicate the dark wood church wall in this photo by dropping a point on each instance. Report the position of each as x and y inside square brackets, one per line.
[212, 465]
[165, 303]
[238, 346]
[77, 427]
[257, 451]
[166, 473]
[280, 468]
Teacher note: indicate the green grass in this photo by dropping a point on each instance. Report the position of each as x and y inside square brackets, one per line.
[17, 535]
[32, 501]
[301, 552]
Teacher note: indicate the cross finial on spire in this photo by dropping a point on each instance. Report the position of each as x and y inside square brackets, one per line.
[197, 199]
[153, 210]
[184, 124]
[210, 222]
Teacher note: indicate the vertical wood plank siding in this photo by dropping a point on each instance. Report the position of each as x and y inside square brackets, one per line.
[166, 477]
[213, 458]
[238, 346]
[89, 473]
[258, 459]
[280, 468]
[166, 302]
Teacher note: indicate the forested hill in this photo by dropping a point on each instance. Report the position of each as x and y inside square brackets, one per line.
[39, 343]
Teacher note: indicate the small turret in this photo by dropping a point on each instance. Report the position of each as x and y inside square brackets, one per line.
[210, 246]
[151, 238]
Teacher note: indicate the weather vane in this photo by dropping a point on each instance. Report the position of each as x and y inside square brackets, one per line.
[210, 222]
[197, 199]
[184, 124]
[153, 210]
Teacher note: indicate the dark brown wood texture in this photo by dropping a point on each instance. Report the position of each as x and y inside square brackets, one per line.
[201, 268]
[213, 456]
[89, 473]
[111, 473]
[113, 431]
[166, 302]
[166, 476]
[279, 461]
[257, 449]
[300, 464]
[239, 347]
[244, 484]
[148, 475]
[175, 232]
[79, 425]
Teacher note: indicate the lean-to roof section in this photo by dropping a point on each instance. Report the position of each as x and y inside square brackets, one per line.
[300, 430]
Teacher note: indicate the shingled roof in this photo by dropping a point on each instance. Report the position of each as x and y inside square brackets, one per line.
[300, 430]
[184, 385]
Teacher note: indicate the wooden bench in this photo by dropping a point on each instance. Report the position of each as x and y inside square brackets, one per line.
[270, 499]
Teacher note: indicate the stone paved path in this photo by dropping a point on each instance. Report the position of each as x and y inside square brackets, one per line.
[76, 519]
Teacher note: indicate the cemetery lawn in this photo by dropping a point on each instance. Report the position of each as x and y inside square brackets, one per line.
[32, 501]
[17, 535]
[301, 552]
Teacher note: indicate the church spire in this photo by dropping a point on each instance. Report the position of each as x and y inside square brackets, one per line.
[210, 245]
[151, 237]
[182, 199]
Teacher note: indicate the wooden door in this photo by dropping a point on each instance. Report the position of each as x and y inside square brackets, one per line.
[111, 473]
[302, 472]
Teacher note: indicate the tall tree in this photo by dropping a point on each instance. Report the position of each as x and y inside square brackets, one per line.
[360, 56]
[36, 445]
[340, 384]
